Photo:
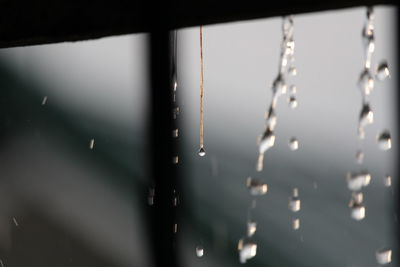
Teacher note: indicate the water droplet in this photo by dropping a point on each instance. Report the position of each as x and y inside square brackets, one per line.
[358, 212]
[175, 228]
[175, 86]
[366, 82]
[91, 144]
[202, 152]
[271, 119]
[15, 221]
[267, 141]
[292, 71]
[293, 144]
[260, 162]
[382, 71]
[384, 256]
[366, 115]
[251, 228]
[296, 224]
[175, 133]
[150, 198]
[387, 180]
[175, 112]
[199, 251]
[359, 157]
[256, 187]
[356, 199]
[384, 140]
[292, 89]
[357, 180]
[279, 86]
[294, 203]
[175, 201]
[44, 101]
[292, 102]
[247, 249]
[175, 160]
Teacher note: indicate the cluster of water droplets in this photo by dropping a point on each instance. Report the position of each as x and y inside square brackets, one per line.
[356, 181]
[280, 87]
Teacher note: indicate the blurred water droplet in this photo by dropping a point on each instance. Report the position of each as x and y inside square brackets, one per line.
[366, 82]
[260, 162]
[279, 86]
[44, 101]
[357, 180]
[293, 89]
[387, 180]
[175, 133]
[385, 141]
[247, 249]
[202, 152]
[251, 228]
[1, 263]
[292, 102]
[384, 256]
[359, 157]
[296, 224]
[292, 70]
[294, 204]
[175, 228]
[267, 141]
[175, 201]
[91, 144]
[382, 71]
[150, 198]
[356, 199]
[199, 251]
[175, 160]
[361, 133]
[256, 187]
[15, 221]
[366, 115]
[271, 119]
[358, 212]
[175, 86]
[175, 112]
[293, 144]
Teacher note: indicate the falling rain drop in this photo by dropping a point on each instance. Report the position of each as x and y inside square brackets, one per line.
[91, 143]
[382, 71]
[366, 82]
[292, 102]
[15, 221]
[384, 256]
[256, 187]
[366, 115]
[385, 141]
[294, 201]
[44, 101]
[247, 249]
[199, 251]
[293, 144]
[175, 228]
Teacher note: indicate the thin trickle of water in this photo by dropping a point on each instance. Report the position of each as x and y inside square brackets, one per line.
[384, 140]
[199, 251]
[384, 256]
[202, 151]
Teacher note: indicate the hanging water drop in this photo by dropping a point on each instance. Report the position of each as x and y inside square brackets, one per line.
[296, 224]
[256, 187]
[387, 180]
[382, 71]
[359, 157]
[384, 256]
[247, 249]
[292, 101]
[202, 152]
[366, 115]
[358, 212]
[385, 141]
[199, 251]
[293, 144]
[251, 228]
[355, 181]
[366, 82]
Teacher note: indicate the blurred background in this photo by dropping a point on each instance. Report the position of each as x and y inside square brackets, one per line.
[67, 200]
